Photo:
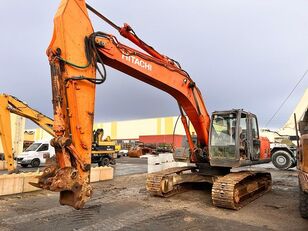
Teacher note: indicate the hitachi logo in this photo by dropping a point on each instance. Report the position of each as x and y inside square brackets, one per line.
[136, 61]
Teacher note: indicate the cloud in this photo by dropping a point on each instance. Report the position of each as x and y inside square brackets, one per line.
[242, 54]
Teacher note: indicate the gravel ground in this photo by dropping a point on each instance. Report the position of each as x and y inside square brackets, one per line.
[124, 166]
[124, 204]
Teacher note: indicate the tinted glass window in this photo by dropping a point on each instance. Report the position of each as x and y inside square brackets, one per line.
[44, 147]
[33, 147]
[223, 130]
[243, 127]
[255, 132]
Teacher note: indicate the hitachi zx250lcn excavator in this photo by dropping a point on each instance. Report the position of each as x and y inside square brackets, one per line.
[228, 139]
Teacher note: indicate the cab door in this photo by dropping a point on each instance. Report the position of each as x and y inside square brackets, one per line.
[254, 143]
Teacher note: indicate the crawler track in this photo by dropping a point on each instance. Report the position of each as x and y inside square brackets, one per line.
[232, 191]
[155, 180]
[235, 190]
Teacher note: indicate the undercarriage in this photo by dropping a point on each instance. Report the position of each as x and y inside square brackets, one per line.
[231, 190]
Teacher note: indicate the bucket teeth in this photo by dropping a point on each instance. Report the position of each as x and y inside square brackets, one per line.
[35, 184]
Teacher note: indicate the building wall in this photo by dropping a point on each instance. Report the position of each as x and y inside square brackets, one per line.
[176, 140]
[40, 134]
[131, 129]
[18, 128]
[29, 135]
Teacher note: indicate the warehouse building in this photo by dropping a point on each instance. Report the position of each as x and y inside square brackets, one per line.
[151, 130]
[129, 130]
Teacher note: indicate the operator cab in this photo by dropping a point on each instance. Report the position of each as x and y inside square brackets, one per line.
[234, 139]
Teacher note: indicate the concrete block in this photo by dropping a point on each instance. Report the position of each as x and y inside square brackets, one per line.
[146, 156]
[94, 174]
[181, 164]
[168, 165]
[153, 160]
[154, 168]
[162, 158]
[11, 184]
[163, 166]
[166, 157]
[101, 174]
[106, 173]
[2, 165]
[30, 177]
[19, 183]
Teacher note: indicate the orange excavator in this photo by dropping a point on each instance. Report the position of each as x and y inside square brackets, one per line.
[228, 139]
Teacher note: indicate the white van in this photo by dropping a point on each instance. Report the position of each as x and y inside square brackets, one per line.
[36, 154]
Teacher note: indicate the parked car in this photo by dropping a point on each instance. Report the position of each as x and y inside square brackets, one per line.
[123, 152]
[36, 154]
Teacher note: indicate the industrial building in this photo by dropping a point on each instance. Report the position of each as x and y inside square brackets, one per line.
[146, 130]
[128, 129]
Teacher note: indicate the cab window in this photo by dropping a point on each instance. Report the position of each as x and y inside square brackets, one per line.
[33, 147]
[223, 129]
[243, 127]
[44, 147]
[254, 128]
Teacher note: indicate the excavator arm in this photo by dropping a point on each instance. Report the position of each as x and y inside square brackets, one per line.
[73, 69]
[162, 75]
[10, 104]
[74, 53]
[159, 71]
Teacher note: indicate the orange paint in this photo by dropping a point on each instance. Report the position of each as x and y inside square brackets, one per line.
[265, 150]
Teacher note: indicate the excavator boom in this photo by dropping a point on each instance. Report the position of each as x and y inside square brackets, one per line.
[153, 70]
[10, 104]
[161, 75]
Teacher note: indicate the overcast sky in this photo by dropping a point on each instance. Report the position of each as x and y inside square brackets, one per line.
[241, 53]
